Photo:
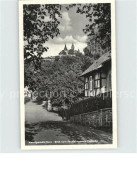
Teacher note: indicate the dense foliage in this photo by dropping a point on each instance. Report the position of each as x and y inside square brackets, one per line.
[60, 79]
[62, 75]
[40, 23]
[98, 28]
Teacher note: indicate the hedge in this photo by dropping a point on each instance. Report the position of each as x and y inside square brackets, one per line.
[64, 113]
[91, 104]
[88, 105]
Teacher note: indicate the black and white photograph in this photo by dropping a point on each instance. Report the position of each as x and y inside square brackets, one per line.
[67, 74]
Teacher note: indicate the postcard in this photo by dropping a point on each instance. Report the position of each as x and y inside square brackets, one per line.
[67, 74]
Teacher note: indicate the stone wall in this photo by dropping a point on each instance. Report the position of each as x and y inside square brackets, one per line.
[99, 118]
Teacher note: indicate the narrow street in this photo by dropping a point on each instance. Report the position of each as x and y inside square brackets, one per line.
[35, 113]
[47, 128]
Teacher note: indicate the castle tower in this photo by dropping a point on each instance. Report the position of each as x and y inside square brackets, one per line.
[72, 47]
[65, 48]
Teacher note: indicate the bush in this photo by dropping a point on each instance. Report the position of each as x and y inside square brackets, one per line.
[64, 113]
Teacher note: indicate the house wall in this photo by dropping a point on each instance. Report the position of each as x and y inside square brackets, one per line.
[99, 118]
[108, 82]
[105, 88]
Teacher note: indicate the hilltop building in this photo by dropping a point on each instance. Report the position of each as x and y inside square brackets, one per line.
[71, 52]
[64, 52]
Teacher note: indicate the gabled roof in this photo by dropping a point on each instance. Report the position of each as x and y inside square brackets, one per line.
[98, 63]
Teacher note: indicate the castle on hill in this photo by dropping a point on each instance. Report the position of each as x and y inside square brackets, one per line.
[64, 52]
[71, 51]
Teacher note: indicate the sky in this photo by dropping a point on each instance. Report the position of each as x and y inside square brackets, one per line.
[71, 31]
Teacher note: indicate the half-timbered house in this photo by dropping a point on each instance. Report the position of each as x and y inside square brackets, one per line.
[98, 76]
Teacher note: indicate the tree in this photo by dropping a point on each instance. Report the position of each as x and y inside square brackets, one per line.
[62, 77]
[99, 27]
[87, 51]
[40, 24]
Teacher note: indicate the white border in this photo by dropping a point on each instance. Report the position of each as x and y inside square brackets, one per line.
[114, 99]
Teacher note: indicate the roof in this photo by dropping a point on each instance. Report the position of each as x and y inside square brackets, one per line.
[98, 63]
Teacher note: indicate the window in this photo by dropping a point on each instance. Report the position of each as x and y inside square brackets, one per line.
[97, 80]
[97, 83]
[97, 76]
[91, 82]
[86, 84]
[103, 82]
[100, 80]
[103, 79]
